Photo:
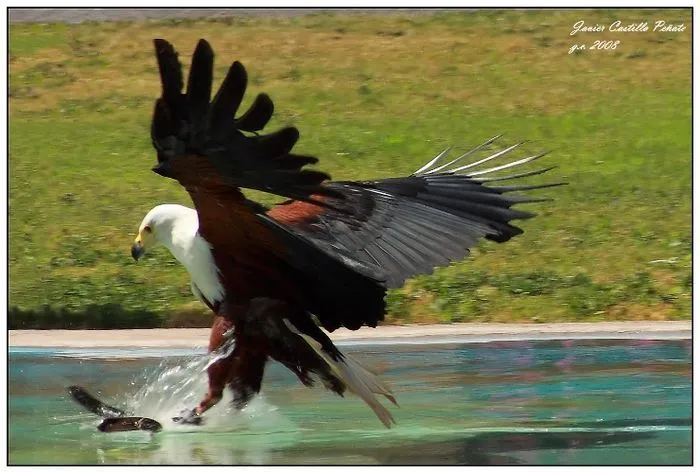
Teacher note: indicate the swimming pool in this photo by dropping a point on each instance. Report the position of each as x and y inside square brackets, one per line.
[565, 402]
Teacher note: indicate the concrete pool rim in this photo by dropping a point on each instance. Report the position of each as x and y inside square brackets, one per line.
[390, 334]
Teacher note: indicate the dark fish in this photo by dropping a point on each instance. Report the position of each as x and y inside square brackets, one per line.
[115, 420]
[126, 424]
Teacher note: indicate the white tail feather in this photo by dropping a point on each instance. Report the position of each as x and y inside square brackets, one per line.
[358, 379]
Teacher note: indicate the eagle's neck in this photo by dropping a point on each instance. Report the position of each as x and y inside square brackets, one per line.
[194, 253]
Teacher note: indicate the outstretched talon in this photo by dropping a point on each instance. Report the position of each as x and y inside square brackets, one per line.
[188, 416]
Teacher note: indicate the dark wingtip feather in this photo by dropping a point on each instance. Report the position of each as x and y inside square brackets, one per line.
[258, 115]
[204, 44]
[163, 46]
[279, 142]
[199, 84]
[169, 67]
[505, 234]
[201, 68]
[229, 96]
[161, 124]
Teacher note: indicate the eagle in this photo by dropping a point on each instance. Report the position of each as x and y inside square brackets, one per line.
[279, 278]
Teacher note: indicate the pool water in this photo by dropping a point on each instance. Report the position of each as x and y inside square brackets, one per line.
[565, 402]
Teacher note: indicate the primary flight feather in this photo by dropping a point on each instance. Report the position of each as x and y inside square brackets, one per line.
[275, 278]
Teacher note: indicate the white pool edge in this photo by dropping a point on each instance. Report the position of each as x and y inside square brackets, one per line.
[384, 335]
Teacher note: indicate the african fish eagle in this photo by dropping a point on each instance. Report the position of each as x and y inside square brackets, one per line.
[324, 259]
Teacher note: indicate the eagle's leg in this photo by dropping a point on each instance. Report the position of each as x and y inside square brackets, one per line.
[217, 372]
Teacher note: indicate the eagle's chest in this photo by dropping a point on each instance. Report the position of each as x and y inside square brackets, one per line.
[220, 273]
[205, 274]
[253, 271]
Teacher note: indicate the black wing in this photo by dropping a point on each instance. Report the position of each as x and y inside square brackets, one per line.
[400, 227]
[188, 127]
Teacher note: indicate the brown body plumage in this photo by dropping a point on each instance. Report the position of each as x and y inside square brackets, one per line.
[325, 258]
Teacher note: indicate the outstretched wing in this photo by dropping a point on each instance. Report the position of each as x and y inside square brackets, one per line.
[211, 153]
[409, 225]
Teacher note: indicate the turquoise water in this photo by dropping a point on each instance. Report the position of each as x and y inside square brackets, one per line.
[550, 402]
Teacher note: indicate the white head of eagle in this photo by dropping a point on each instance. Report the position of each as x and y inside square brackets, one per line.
[175, 227]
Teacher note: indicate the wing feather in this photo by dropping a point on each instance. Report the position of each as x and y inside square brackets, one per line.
[187, 127]
[257, 116]
[409, 225]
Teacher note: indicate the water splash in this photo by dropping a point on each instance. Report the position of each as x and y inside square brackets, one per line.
[226, 436]
[176, 385]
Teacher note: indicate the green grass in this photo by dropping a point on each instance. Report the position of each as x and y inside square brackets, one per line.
[373, 96]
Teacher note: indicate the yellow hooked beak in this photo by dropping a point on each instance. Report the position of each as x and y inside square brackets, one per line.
[138, 248]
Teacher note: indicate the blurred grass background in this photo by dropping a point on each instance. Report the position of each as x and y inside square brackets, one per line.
[373, 96]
